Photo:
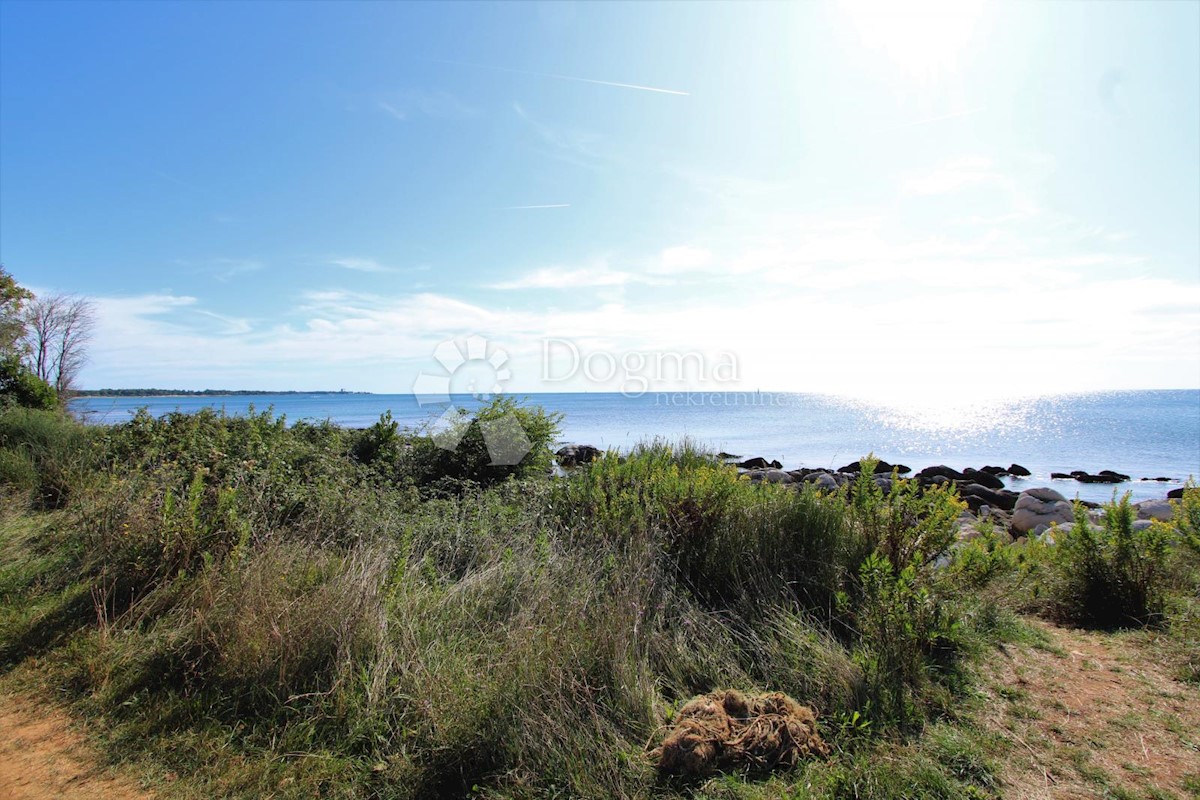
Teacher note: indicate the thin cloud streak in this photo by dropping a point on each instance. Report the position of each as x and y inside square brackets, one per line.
[954, 115]
[361, 265]
[639, 87]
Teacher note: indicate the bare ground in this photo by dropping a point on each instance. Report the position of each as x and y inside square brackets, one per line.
[1094, 715]
[43, 757]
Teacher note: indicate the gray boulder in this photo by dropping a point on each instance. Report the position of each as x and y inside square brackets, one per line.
[1040, 506]
[777, 476]
[1161, 510]
[824, 480]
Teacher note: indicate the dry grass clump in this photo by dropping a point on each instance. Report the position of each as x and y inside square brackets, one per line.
[729, 730]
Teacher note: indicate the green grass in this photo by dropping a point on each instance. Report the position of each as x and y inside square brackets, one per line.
[298, 611]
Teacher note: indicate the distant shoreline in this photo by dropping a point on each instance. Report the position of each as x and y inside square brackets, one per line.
[202, 392]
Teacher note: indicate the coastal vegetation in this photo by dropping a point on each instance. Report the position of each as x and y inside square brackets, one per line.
[258, 608]
[43, 344]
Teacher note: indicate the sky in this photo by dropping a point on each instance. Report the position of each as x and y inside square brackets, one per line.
[953, 199]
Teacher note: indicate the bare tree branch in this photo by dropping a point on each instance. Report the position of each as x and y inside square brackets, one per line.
[58, 329]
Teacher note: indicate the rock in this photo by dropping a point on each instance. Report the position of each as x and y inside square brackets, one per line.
[1041, 506]
[974, 503]
[1019, 471]
[777, 476]
[575, 454]
[884, 483]
[881, 468]
[1161, 510]
[770, 475]
[1176, 494]
[758, 462]
[825, 481]
[1039, 530]
[1103, 476]
[997, 471]
[983, 478]
[968, 533]
[983, 494]
[1142, 524]
[1159, 479]
[943, 471]
[1044, 494]
[723, 456]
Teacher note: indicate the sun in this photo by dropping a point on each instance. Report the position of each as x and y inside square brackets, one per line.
[924, 38]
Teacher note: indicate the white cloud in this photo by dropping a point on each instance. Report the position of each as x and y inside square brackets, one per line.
[404, 105]
[361, 265]
[855, 301]
[953, 176]
[595, 275]
[225, 269]
[577, 147]
[681, 259]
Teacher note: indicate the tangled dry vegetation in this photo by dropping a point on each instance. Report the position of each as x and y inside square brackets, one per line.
[729, 730]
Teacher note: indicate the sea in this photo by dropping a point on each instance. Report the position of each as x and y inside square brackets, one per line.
[1143, 434]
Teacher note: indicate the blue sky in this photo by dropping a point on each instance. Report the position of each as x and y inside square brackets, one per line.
[961, 198]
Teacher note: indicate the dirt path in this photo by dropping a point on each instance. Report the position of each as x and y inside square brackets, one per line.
[43, 757]
[1094, 715]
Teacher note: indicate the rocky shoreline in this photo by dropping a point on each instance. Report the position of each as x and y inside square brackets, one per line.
[1029, 512]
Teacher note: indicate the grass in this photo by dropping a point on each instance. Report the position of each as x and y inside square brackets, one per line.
[302, 610]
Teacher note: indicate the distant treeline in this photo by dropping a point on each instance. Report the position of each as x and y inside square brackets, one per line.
[192, 392]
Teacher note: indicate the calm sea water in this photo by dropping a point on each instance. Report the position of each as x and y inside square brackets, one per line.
[1141, 434]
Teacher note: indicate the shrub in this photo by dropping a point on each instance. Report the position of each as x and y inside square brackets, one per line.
[502, 440]
[20, 386]
[1187, 517]
[1111, 576]
[56, 447]
[378, 444]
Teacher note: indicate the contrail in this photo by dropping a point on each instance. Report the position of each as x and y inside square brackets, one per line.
[966, 113]
[549, 205]
[563, 77]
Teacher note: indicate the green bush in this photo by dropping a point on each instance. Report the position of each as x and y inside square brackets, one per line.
[1110, 576]
[18, 471]
[20, 386]
[502, 440]
[1187, 517]
[57, 447]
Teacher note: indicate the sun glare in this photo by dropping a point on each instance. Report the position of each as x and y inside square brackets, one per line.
[923, 38]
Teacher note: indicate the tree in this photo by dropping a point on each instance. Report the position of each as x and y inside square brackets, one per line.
[13, 296]
[57, 330]
[18, 384]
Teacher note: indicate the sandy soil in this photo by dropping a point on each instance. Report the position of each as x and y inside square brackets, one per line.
[43, 757]
[1092, 715]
